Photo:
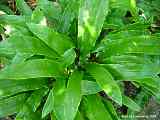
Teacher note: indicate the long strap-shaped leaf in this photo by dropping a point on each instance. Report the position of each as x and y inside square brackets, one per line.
[23, 7]
[48, 106]
[143, 44]
[28, 111]
[90, 21]
[90, 87]
[31, 45]
[58, 42]
[12, 87]
[105, 81]
[11, 105]
[94, 108]
[133, 71]
[51, 10]
[69, 14]
[31, 69]
[12, 20]
[67, 100]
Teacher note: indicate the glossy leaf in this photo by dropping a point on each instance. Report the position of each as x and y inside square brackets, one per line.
[20, 57]
[31, 105]
[12, 20]
[6, 9]
[67, 100]
[105, 81]
[31, 45]
[23, 7]
[12, 87]
[133, 71]
[111, 109]
[79, 116]
[70, 12]
[11, 105]
[51, 10]
[58, 42]
[132, 45]
[131, 104]
[90, 21]
[94, 108]
[68, 57]
[6, 49]
[31, 69]
[38, 16]
[89, 87]
[48, 106]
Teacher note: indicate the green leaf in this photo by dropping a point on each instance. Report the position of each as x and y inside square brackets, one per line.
[11, 105]
[31, 45]
[38, 16]
[67, 100]
[124, 59]
[6, 50]
[79, 116]
[111, 109]
[94, 108]
[143, 44]
[70, 12]
[58, 42]
[6, 9]
[20, 57]
[131, 104]
[23, 7]
[31, 69]
[89, 87]
[68, 57]
[90, 21]
[51, 10]
[31, 105]
[12, 87]
[48, 106]
[105, 81]
[133, 71]
[12, 20]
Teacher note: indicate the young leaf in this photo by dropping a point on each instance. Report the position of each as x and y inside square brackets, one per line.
[31, 69]
[94, 108]
[66, 101]
[68, 57]
[105, 81]
[90, 21]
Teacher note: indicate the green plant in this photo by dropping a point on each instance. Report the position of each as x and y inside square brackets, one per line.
[68, 60]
